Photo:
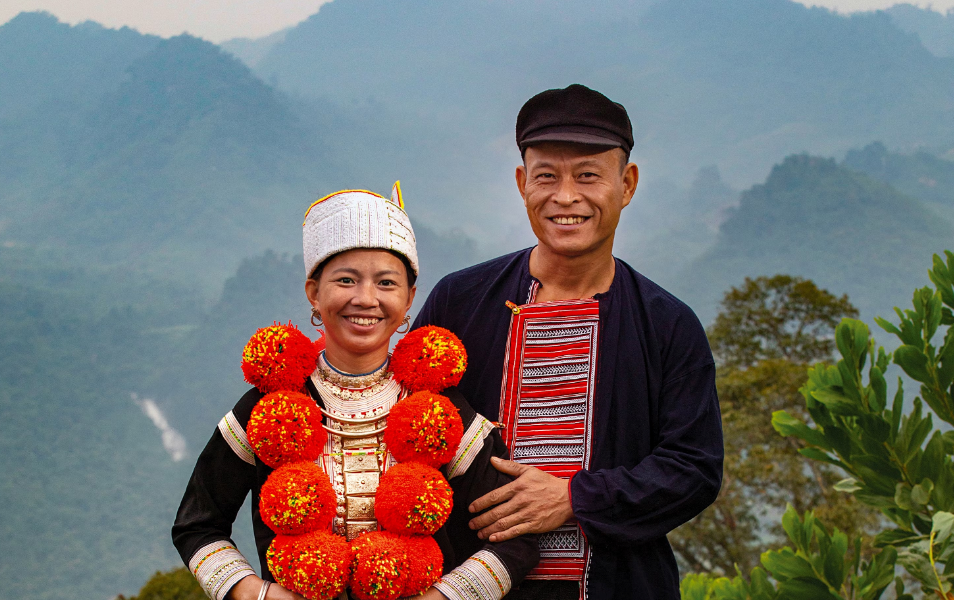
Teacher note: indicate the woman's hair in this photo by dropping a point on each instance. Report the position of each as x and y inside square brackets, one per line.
[411, 277]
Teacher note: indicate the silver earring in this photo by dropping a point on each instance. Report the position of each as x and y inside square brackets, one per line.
[315, 314]
[406, 323]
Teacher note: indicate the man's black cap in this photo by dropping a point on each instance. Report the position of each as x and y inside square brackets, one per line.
[574, 114]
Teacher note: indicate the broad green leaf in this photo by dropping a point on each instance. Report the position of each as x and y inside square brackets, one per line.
[887, 326]
[921, 493]
[897, 408]
[795, 528]
[837, 403]
[896, 537]
[945, 371]
[848, 485]
[805, 588]
[879, 399]
[784, 564]
[761, 588]
[913, 361]
[835, 559]
[816, 454]
[943, 523]
[902, 497]
[787, 425]
[916, 563]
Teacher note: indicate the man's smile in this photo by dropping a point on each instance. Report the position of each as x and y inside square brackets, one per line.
[568, 220]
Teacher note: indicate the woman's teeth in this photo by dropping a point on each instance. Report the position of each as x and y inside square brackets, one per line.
[568, 220]
[363, 320]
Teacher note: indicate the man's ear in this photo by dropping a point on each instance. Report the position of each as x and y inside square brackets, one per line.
[630, 179]
[521, 176]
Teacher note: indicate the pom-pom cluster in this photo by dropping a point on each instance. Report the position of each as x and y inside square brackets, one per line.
[315, 565]
[297, 501]
[285, 427]
[279, 357]
[297, 498]
[424, 427]
[430, 358]
[413, 499]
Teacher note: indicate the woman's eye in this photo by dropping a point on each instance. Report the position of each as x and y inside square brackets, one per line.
[388, 282]
[347, 280]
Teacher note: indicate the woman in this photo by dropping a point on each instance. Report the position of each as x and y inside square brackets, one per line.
[361, 265]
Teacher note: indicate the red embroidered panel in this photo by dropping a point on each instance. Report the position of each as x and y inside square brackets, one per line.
[547, 409]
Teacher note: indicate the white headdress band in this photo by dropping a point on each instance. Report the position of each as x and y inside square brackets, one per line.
[352, 219]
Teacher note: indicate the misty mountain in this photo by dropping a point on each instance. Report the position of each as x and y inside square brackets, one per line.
[935, 30]
[737, 84]
[813, 218]
[920, 174]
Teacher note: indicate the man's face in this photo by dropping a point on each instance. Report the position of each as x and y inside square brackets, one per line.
[574, 195]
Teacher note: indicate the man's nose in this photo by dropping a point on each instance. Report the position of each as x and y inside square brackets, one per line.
[566, 193]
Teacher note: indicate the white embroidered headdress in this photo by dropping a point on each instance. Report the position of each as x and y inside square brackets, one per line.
[352, 219]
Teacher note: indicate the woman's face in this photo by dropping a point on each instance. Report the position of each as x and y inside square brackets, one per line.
[362, 296]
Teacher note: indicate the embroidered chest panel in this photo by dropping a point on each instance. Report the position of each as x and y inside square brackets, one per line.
[546, 408]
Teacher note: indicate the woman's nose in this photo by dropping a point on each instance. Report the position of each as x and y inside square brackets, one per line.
[364, 295]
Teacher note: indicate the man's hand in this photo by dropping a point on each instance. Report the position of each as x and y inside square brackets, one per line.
[536, 502]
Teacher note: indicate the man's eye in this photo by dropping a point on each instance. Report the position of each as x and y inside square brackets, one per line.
[588, 175]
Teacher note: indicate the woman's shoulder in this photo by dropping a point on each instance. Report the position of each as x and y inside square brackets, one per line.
[242, 411]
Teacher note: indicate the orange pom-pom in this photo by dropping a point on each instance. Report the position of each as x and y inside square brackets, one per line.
[297, 498]
[430, 358]
[279, 357]
[424, 564]
[379, 570]
[315, 565]
[285, 427]
[413, 499]
[425, 428]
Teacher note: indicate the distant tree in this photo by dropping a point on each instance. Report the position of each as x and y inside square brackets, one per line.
[178, 584]
[770, 330]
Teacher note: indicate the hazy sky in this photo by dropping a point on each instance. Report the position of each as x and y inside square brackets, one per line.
[218, 20]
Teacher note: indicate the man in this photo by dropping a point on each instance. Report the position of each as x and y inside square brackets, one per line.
[597, 375]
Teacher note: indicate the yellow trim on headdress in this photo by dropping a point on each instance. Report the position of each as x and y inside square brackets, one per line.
[396, 196]
[322, 199]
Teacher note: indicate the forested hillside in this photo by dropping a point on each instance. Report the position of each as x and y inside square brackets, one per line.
[816, 219]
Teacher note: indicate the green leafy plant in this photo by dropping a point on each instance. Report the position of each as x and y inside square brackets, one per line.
[895, 460]
[818, 566]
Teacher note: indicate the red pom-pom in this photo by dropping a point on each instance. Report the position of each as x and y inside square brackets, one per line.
[285, 427]
[413, 499]
[279, 358]
[430, 358]
[315, 565]
[424, 564]
[297, 498]
[379, 570]
[425, 428]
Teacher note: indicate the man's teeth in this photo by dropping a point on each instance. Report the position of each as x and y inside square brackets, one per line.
[568, 220]
[363, 320]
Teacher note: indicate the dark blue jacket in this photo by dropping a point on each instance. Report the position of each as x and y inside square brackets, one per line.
[657, 444]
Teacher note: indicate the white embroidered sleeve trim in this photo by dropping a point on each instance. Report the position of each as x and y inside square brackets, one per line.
[482, 577]
[236, 438]
[470, 445]
[219, 566]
